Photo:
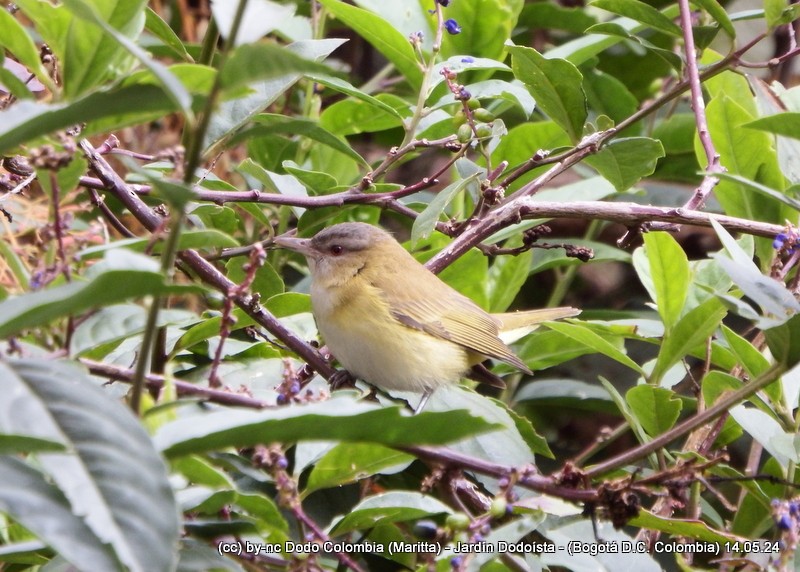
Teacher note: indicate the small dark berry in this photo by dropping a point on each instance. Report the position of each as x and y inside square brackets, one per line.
[785, 522]
[452, 27]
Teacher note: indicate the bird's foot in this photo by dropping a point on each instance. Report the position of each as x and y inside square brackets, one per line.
[342, 379]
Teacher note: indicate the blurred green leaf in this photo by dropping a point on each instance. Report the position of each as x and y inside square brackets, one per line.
[350, 462]
[716, 11]
[88, 54]
[680, 527]
[272, 123]
[338, 418]
[159, 28]
[786, 124]
[258, 62]
[394, 46]
[200, 239]
[44, 510]
[16, 40]
[507, 274]
[110, 282]
[485, 24]
[641, 12]
[349, 116]
[393, 506]
[112, 476]
[87, 11]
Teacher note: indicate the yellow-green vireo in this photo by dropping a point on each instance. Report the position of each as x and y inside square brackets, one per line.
[392, 322]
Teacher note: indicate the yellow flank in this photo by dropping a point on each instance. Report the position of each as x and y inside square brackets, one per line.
[370, 343]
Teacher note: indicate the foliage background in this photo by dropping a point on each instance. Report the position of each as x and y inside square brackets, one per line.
[163, 407]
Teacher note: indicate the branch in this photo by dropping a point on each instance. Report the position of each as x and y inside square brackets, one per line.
[184, 388]
[206, 271]
[698, 106]
[722, 405]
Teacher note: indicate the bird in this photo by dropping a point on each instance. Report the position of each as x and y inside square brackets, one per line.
[393, 323]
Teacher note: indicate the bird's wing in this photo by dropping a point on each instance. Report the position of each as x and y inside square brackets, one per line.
[459, 320]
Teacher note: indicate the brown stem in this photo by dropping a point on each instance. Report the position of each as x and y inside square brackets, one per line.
[207, 272]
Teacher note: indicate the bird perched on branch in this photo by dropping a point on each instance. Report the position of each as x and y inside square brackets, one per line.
[392, 322]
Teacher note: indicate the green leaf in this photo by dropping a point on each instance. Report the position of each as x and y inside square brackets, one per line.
[786, 124]
[507, 275]
[556, 85]
[669, 270]
[347, 88]
[11, 444]
[87, 54]
[267, 282]
[31, 120]
[350, 117]
[773, 12]
[45, 511]
[121, 276]
[317, 182]
[608, 95]
[716, 11]
[784, 341]
[338, 418]
[626, 412]
[726, 117]
[232, 115]
[545, 16]
[754, 361]
[768, 432]
[681, 527]
[762, 189]
[641, 12]
[425, 223]
[394, 506]
[382, 35]
[545, 348]
[523, 141]
[625, 161]
[158, 27]
[656, 408]
[117, 322]
[272, 123]
[112, 476]
[201, 239]
[12, 84]
[485, 26]
[257, 62]
[350, 462]
[85, 10]
[16, 40]
[594, 341]
[692, 329]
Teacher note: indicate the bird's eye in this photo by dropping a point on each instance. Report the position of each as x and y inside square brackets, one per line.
[336, 249]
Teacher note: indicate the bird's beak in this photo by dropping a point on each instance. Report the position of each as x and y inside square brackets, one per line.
[301, 245]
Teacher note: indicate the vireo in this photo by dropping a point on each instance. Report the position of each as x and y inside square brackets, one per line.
[392, 322]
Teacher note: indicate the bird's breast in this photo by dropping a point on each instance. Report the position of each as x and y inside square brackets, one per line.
[356, 323]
